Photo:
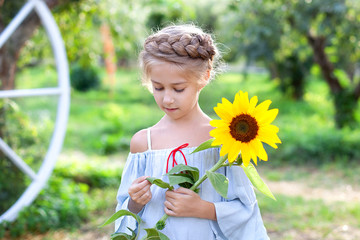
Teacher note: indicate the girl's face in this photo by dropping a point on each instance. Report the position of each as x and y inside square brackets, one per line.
[175, 94]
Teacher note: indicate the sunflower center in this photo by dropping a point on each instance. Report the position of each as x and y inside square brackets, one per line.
[244, 128]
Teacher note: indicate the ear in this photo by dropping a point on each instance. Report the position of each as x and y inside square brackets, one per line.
[205, 80]
[207, 75]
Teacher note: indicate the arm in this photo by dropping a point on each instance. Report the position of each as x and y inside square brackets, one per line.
[183, 202]
[132, 181]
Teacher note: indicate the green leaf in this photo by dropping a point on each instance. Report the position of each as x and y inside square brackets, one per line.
[153, 234]
[185, 169]
[219, 182]
[159, 183]
[179, 178]
[123, 236]
[205, 145]
[120, 236]
[256, 180]
[119, 214]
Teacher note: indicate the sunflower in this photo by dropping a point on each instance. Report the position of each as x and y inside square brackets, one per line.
[244, 127]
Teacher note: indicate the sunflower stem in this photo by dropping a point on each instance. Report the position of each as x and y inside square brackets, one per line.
[162, 222]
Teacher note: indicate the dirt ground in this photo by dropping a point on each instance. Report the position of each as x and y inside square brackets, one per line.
[342, 192]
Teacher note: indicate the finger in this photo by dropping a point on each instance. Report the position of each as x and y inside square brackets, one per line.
[169, 212]
[138, 186]
[144, 184]
[146, 197]
[141, 179]
[183, 191]
[142, 198]
[170, 195]
[139, 191]
[169, 205]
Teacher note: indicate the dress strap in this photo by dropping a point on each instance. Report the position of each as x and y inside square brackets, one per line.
[149, 139]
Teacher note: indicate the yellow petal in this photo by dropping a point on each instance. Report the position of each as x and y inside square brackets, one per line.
[234, 151]
[245, 155]
[261, 108]
[244, 99]
[226, 147]
[219, 123]
[260, 151]
[220, 134]
[252, 105]
[238, 107]
[269, 138]
[268, 116]
[223, 113]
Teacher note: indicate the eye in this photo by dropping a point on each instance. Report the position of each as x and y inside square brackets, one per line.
[158, 88]
[179, 90]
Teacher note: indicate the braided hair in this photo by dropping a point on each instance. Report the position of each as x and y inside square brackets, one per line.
[186, 46]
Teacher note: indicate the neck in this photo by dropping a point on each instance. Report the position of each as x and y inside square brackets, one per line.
[195, 117]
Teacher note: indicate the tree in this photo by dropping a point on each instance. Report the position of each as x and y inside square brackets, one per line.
[10, 51]
[289, 32]
[12, 180]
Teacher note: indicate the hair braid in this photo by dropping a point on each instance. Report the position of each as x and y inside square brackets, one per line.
[184, 45]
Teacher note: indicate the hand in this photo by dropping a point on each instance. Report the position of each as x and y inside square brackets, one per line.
[140, 194]
[184, 202]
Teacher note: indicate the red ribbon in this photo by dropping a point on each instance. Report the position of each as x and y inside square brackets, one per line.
[173, 153]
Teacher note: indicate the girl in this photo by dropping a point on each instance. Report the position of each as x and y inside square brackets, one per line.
[177, 62]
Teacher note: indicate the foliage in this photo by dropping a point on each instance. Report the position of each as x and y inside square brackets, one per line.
[29, 141]
[95, 174]
[63, 204]
[286, 35]
[8, 10]
[319, 147]
[307, 128]
[169, 11]
[84, 78]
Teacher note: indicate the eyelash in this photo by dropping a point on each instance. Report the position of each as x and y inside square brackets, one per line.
[176, 90]
[179, 90]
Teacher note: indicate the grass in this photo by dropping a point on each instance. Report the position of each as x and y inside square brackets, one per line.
[100, 126]
[296, 213]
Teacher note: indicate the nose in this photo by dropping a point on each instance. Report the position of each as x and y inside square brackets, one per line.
[168, 98]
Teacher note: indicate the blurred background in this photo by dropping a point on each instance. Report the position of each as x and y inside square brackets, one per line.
[304, 55]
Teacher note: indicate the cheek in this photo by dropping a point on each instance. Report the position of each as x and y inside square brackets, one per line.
[157, 98]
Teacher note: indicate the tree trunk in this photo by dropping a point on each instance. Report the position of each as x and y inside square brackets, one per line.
[9, 53]
[345, 100]
[327, 69]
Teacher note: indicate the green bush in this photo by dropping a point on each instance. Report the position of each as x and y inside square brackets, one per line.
[28, 141]
[63, 204]
[94, 174]
[111, 137]
[84, 78]
[321, 146]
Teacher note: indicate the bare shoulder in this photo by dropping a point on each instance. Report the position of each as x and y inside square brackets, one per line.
[203, 131]
[139, 142]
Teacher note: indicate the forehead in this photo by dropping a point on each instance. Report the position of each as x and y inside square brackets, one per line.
[169, 73]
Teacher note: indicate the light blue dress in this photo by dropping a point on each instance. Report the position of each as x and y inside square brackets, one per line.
[238, 216]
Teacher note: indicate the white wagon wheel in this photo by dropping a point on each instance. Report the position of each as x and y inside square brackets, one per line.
[62, 91]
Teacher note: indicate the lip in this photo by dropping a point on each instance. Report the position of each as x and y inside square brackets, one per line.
[170, 109]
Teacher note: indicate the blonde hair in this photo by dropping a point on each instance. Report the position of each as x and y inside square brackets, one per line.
[186, 46]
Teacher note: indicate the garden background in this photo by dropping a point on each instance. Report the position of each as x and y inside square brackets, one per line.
[303, 55]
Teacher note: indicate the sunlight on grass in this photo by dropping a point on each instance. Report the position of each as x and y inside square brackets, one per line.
[309, 215]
